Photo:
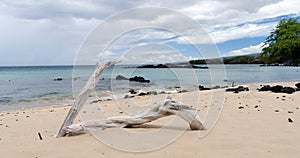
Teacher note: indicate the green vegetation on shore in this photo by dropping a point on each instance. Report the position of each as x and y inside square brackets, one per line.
[283, 44]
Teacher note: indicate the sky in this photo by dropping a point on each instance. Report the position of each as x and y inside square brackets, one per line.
[59, 32]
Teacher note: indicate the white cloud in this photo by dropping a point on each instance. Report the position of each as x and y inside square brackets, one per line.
[244, 31]
[281, 8]
[246, 51]
[51, 31]
[235, 19]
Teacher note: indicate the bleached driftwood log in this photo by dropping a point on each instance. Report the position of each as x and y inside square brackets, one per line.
[165, 108]
[83, 95]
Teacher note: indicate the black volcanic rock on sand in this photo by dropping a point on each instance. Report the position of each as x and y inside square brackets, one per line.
[202, 88]
[265, 88]
[238, 89]
[297, 85]
[278, 89]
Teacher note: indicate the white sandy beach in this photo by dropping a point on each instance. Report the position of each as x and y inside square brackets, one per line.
[251, 124]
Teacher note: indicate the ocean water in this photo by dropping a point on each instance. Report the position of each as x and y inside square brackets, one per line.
[34, 86]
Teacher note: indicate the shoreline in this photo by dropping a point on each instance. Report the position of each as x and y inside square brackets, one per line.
[68, 102]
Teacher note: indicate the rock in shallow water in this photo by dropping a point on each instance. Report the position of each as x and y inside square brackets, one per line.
[120, 77]
[58, 79]
[139, 79]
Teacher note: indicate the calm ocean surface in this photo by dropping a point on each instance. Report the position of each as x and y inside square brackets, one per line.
[26, 87]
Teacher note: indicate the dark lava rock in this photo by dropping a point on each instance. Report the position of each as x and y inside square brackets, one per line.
[152, 93]
[238, 89]
[241, 107]
[132, 91]
[139, 79]
[276, 89]
[58, 79]
[288, 90]
[182, 91]
[265, 88]
[120, 77]
[142, 94]
[290, 120]
[201, 88]
[276, 111]
[241, 88]
[297, 85]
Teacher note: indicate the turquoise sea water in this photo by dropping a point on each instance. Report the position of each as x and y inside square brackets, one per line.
[26, 87]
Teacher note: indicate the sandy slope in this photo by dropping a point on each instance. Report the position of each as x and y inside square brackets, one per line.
[255, 130]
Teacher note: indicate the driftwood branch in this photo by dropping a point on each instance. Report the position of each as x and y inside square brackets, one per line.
[83, 95]
[165, 108]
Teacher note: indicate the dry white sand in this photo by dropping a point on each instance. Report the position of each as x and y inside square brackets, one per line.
[259, 129]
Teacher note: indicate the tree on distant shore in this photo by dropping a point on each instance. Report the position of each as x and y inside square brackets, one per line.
[283, 44]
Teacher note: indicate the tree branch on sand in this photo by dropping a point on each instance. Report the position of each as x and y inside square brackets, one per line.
[166, 108]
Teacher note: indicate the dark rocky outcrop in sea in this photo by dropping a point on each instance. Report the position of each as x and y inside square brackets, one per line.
[139, 79]
[58, 79]
[238, 89]
[153, 66]
[279, 89]
[132, 91]
[120, 77]
[173, 65]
